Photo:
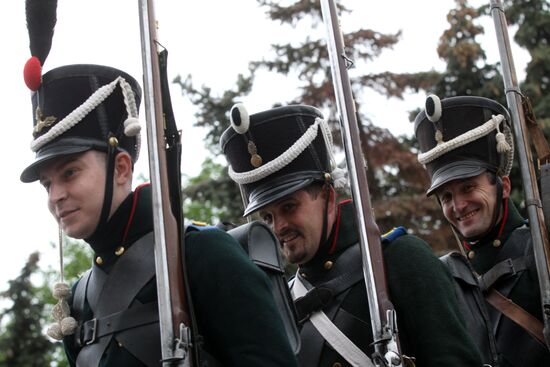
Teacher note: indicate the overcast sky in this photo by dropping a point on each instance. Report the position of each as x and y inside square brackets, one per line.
[211, 39]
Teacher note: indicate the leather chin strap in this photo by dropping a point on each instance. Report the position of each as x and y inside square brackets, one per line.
[324, 234]
[108, 197]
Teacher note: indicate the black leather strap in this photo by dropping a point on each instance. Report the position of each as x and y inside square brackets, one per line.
[347, 272]
[519, 244]
[130, 273]
[504, 268]
[133, 317]
[321, 295]
[79, 298]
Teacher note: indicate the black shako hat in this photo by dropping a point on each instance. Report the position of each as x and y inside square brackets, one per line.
[462, 137]
[277, 152]
[81, 107]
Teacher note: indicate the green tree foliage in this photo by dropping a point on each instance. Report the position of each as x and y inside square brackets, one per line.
[77, 258]
[305, 61]
[467, 72]
[212, 109]
[396, 181]
[533, 20]
[215, 195]
[212, 196]
[22, 343]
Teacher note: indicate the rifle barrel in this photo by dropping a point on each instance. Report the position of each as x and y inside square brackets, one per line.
[541, 246]
[381, 309]
[168, 261]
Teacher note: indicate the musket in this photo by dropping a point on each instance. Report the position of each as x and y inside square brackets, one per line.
[382, 313]
[164, 146]
[541, 244]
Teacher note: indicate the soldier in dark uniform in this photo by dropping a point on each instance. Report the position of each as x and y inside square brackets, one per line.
[282, 158]
[86, 139]
[467, 148]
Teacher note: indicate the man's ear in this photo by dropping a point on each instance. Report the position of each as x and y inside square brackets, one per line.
[123, 168]
[506, 187]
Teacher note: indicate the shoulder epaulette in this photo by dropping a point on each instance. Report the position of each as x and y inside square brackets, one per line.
[195, 225]
[393, 234]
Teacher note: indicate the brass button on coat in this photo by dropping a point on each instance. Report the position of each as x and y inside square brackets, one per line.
[471, 254]
[497, 243]
[119, 250]
[328, 265]
[99, 260]
[337, 364]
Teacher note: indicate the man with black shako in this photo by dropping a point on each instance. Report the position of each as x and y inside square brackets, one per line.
[86, 136]
[282, 158]
[467, 148]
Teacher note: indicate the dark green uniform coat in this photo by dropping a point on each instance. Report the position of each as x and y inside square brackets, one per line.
[421, 289]
[515, 346]
[235, 310]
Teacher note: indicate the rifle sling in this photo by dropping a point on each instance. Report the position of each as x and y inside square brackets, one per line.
[543, 153]
[517, 314]
[537, 135]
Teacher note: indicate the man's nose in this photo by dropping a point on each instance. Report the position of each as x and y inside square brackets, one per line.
[56, 193]
[279, 224]
[458, 202]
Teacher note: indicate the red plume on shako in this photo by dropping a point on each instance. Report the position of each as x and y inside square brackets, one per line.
[41, 19]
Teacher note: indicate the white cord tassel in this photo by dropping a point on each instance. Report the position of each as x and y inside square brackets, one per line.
[131, 125]
[502, 144]
[339, 176]
[65, 324]
[461, 140]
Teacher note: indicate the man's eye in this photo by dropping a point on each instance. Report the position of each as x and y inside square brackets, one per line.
[267, 218]
[289, 207]
[69, 172]
[468, 187]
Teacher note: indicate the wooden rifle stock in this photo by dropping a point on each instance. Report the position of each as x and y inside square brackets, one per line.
[174, 315]
[382, 313]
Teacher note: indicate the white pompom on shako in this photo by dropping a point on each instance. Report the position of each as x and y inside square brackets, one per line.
[433, 108]
[478, 138]
[132, 126]
[296, 147]
[240, 120]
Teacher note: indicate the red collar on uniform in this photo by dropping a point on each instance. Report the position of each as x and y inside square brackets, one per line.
[133, 211]
[337, 227]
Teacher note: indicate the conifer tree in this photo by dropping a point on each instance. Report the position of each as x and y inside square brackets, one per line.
[22, 342]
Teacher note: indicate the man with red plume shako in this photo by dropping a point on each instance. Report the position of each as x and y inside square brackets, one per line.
[467, 148]
[283, 160]
[86, 137]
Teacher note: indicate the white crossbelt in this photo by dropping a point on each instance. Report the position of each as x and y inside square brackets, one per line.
[336, 338]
